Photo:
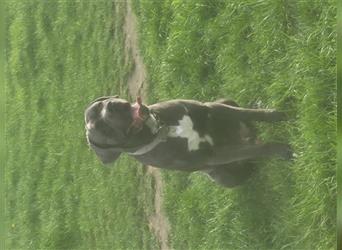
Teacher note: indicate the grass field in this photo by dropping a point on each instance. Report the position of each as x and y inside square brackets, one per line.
[60, 55]
[278, 54]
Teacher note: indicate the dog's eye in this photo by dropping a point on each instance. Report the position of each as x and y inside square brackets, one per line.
[119, 106]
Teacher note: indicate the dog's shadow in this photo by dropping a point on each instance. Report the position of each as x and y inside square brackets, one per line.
[264, 199]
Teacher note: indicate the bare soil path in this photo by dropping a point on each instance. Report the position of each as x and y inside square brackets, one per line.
[158, 222]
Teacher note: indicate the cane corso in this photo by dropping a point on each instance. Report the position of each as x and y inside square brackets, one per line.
[214, 137]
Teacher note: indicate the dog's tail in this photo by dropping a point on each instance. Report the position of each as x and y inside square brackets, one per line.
[228, 102]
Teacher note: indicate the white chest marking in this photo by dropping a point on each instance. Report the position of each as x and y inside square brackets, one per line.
[185, 129]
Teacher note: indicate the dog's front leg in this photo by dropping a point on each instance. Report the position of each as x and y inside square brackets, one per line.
[229, 154]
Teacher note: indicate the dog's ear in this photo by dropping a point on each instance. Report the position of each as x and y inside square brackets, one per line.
[104, 98]
[106, 155]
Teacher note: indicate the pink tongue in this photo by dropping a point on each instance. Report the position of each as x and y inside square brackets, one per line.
[137, 119]
[139, 100]
[135, 111]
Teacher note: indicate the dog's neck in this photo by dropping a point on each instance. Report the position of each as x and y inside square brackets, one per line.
[148, 137]
[152, 123]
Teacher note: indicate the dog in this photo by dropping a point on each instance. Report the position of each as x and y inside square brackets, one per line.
[217, 138]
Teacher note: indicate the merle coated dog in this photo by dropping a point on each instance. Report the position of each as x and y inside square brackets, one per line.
[215, 137]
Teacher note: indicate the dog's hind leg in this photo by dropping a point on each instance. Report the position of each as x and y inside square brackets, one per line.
[228, 154]
[231, 175]
[229, 112]
[247, 128]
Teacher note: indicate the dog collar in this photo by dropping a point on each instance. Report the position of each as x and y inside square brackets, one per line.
[152, 123]
[160, 136]
[160, 133]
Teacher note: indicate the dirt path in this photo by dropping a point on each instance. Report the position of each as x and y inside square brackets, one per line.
[138, 76]
[158, 222]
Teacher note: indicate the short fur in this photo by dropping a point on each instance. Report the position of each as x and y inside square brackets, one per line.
[227, 160]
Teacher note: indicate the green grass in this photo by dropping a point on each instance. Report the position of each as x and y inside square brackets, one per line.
[273, 54]
[61, 55]
[339, 124]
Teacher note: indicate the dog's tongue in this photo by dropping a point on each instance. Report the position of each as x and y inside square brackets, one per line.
[136, 109]
[139, 101]
[137, 113]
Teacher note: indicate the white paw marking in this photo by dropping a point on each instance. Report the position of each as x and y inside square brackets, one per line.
[185, 129]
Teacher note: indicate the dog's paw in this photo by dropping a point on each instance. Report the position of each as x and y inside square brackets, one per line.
[278, 116]
[286, 152]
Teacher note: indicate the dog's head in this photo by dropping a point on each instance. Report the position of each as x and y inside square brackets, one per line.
[109, 122]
